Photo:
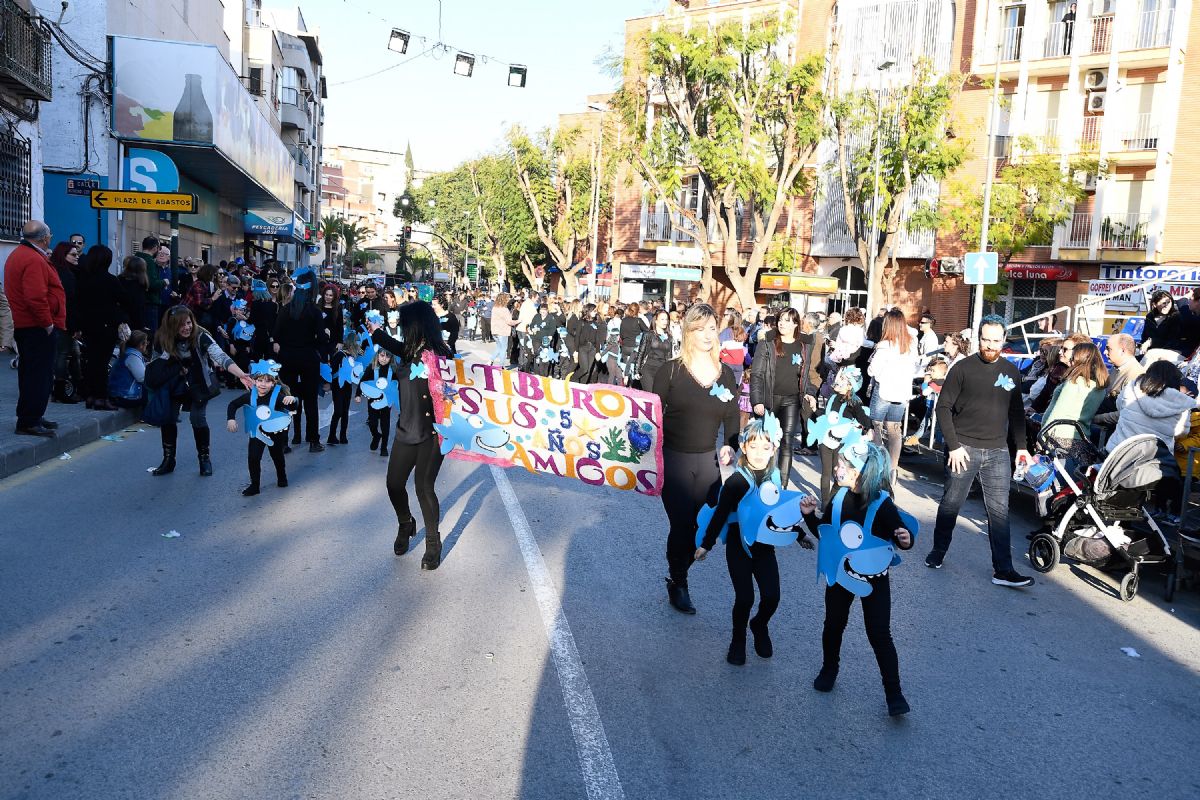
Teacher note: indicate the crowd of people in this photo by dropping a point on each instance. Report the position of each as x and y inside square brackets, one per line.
[756, 389]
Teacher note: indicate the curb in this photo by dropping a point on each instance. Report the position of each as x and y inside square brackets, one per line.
[32, 450]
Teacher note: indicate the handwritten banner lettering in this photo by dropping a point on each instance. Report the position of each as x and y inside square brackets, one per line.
[601, 435]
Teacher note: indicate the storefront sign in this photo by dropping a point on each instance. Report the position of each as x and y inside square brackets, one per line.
[773, 282]
[660, 272]
[679, 255]
[1042, 272]
[1106, 288]
[269, 223]
[601, 435]
[807, 284]
[1165, 273]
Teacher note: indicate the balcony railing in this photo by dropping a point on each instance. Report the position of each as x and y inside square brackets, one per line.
[658, 227]
[1101, 34]
[1124, 232]
[1153, 29]
[1059, 38]
[1048, 142]
[300, 156]
[25, 66]
[1010, 44]
[1089, 137]
[1079, 231]
[1143, 135]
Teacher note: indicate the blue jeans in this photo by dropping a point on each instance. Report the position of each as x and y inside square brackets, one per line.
[994, 468]
[501, 353]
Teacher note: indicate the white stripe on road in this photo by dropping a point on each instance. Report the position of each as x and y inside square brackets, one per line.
[595, 759]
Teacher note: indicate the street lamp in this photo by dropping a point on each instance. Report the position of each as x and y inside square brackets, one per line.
[601, 109]
[874, 241]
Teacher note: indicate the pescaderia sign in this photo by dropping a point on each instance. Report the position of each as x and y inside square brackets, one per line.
[598, 434]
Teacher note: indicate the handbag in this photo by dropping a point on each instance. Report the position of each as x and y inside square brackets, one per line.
[202, 392]
[159, 408]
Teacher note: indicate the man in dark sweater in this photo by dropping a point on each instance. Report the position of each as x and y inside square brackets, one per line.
[978, 409]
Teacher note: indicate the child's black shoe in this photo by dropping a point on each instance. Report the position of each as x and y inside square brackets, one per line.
[250, 490]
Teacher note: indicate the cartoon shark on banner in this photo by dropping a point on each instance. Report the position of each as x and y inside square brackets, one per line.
[473, 434]
[383, 392]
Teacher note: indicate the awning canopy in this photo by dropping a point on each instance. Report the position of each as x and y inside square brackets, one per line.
[207, 167]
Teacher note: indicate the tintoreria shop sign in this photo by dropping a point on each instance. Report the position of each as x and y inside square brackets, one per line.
[1165, 273]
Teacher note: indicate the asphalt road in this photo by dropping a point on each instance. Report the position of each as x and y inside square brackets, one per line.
[277, 649]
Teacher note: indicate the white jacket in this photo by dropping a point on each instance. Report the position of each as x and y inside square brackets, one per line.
[1166, 416]
[893, 372]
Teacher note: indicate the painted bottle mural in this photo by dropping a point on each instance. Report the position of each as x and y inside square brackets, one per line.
[193, 119]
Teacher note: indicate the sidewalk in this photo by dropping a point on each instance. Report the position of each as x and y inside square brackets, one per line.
[76, 427]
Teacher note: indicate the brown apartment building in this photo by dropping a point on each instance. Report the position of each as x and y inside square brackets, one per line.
[1110, 84]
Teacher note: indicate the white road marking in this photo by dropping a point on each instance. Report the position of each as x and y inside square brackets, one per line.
[595, 759]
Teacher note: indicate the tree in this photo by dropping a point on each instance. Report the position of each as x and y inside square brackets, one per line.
[352, 235]
[1032, 195]
[331, 229]
[556, 177]
[731, 105]
[914, 143]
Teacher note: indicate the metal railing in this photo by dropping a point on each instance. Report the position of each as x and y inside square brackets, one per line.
[1048, 142]
[1101, 34]
[300, 156]
[1010, 43]
[658, 227]
[25, 63]
[1142, 135]
[1152, 29]
[1124, 232]
[1089, 137]
[16, 179]
[1079, 231]
[1058, 42]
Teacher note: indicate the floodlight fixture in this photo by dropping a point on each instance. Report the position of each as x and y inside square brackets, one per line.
[464, 64]
[516, 75]
[398, 42]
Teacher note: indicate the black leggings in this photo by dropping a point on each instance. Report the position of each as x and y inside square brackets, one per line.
[426, 458]
[255, 453]
[687, 479]
[787, 409]
[97, 351]
[828, 462]
[341, 410]
[877, 618]
[744, 570]
[380, 424]
[304, 378]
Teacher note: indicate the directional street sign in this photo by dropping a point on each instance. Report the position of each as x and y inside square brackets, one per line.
[176, 202]
[981, 268]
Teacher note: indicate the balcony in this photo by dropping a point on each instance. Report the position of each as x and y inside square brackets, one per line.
[1089, 137]
[1142, 135]
[1047, 142]
[294, 109]
[657, 227]
[1010, 43]
[1059, 38]
[302, 165]
[1153, 29]
[1101, 34]
[1124, 232]
[1079, 231]
[24, 54]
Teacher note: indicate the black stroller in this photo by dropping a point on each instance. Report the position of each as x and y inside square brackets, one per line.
[1097, 513]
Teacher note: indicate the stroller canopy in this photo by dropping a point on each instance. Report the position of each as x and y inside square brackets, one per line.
[1133, 465]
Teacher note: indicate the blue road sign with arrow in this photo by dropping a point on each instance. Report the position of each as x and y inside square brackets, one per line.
[981, 268]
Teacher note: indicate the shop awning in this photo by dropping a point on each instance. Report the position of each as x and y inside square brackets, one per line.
[207, 167]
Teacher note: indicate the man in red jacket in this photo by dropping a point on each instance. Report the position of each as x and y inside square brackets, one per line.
[39, 310]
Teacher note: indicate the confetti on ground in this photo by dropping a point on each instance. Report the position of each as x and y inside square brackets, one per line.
[65, 457]
[172, 535]
[112, 437]
[1129, 651]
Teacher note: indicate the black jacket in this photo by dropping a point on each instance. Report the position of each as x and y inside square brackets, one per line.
[762, 371]
[300, 337]
[414, 423]
[101, 302]
[653, 352]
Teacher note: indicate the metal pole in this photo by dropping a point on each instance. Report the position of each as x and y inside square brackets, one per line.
[874, 241]
[977, 314]
[174, 243]
[596, 170]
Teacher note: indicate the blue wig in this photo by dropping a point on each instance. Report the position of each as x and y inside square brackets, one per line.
[874, 467]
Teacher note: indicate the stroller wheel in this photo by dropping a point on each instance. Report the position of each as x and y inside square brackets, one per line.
[1169, 592]
[1043, 552]
[1129, 586]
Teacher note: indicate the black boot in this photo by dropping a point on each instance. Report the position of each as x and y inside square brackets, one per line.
[170, 434]
[375, 439]
[825, 679]
[896, 704]
[168, 463]
[403, 533]
[762, 639]
[383, 451]
[250, 490]
[737, 649]
[202, 452]
[677, 593]
[433, 551]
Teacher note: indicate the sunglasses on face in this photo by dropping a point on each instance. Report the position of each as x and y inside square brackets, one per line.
[274, 285]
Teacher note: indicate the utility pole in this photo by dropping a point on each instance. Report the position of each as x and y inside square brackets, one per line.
[872, 276]
[977, 313]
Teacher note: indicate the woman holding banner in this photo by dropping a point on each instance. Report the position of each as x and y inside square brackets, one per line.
[698, 396]
[415, 447]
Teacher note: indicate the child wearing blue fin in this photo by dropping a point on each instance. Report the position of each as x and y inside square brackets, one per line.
[752, 515]
[267, 420]
[858, 536]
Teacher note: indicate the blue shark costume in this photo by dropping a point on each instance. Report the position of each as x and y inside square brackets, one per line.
[856, 548]
[266, 420]
[764, 516]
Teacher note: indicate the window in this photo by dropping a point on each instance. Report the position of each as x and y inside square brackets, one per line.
[255, 81]
[1028, 298]
[852, 289]
[15, 195]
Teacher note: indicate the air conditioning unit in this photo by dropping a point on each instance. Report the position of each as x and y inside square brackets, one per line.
[951, 265]
[1086, 180]
[1096, 101]
[1096, 79]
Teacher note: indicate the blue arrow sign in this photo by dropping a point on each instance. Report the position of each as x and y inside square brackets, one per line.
[981, 268]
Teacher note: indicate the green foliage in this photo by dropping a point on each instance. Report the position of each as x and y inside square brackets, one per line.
[331, 229]
[1031, 196]
[352, 235]
[739, 111]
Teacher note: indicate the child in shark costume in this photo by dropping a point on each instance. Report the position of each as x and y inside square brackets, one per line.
[859, 534]
[267, 420]
[760, 515]
[843, 422]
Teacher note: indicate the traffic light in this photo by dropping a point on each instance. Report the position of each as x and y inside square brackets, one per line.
[933, 267]
[408, 231]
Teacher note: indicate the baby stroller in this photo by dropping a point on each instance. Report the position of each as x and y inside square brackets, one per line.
[1092, 514]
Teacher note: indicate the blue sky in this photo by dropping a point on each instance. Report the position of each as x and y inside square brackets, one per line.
[450, 118]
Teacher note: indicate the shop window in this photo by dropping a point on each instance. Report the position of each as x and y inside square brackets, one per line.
[1028, 298]
[15, 195]
[852, 289]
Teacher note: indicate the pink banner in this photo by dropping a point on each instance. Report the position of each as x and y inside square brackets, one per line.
[599, 434]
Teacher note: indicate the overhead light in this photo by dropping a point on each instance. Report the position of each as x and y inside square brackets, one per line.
[464, 64]
[398, 42]
[516, 76]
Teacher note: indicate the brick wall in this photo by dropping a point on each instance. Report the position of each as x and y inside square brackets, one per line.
[1181, 235]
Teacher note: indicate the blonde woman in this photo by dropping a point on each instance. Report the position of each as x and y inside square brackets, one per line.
[699, 395]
